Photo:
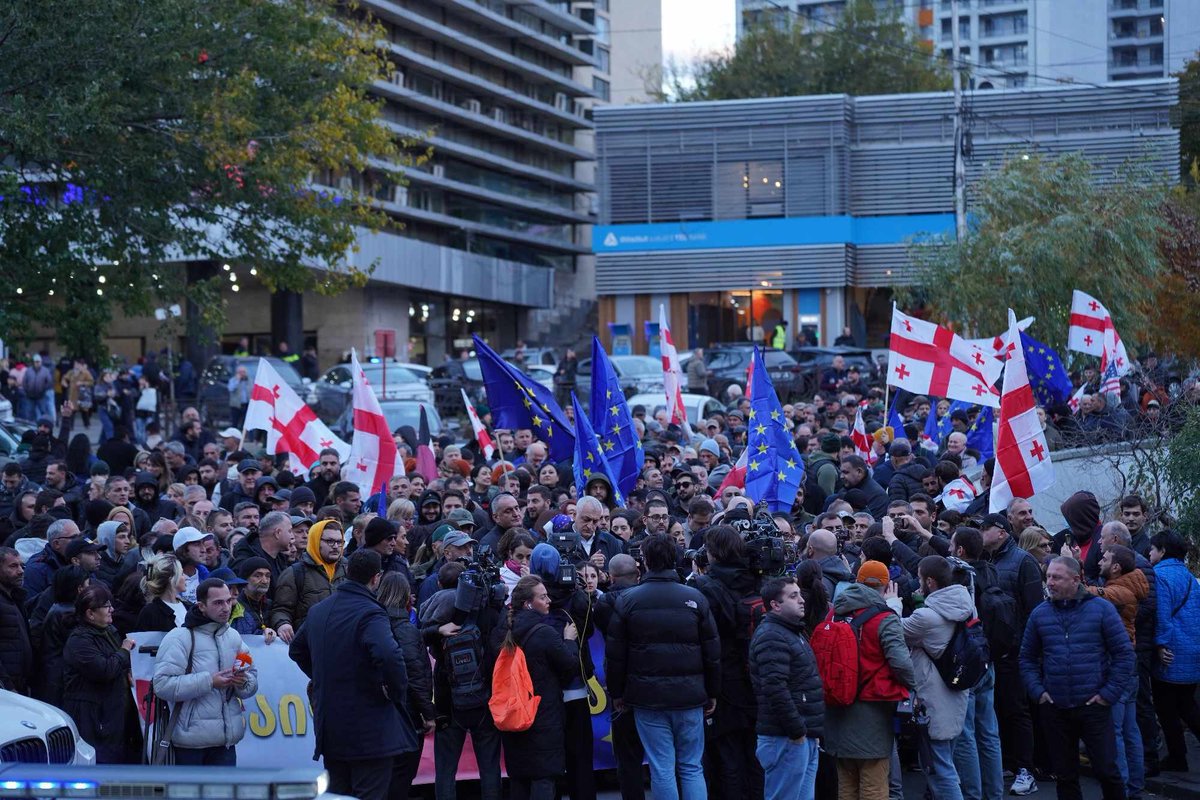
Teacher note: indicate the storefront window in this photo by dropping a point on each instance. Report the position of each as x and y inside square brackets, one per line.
[737, 316]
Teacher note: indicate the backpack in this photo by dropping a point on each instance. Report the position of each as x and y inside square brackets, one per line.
[835, 645]
[513, 704]
[965, 660]
[748, 614]
[997, 611]
[463, 653]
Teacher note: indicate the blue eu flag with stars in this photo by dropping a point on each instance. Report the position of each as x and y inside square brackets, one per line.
[1048, 377]
[589, 456]
[774, 468]
[980, 433]
[938, 429]
[518, 401]
[612, 422]
[895, 421]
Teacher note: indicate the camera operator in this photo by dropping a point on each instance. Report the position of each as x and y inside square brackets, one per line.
[569, 603]
[627, 746]
[731, 767]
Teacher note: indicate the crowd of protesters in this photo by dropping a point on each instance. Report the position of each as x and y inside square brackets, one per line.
[712, 666]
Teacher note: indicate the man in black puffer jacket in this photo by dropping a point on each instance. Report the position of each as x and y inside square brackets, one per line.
[664, 662]
[791, 698]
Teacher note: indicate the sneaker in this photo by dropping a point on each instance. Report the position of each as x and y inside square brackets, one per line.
[1024, 784]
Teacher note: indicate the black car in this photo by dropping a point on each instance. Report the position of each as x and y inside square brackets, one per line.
[815, 360]
[213, 399]
[729, 364]
[398, 413]
[446, 381]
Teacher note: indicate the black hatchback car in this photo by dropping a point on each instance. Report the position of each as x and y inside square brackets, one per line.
[729, 364]
[815, 360]
[213, 399]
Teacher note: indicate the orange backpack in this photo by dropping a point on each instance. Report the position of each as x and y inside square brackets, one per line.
[513, 704]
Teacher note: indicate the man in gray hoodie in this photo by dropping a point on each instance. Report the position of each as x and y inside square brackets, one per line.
[928, 632]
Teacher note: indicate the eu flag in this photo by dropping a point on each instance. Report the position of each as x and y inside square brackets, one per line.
[980, 435]
[589, 457]
[1047, 376]
[613, 423]
[894, 420]
[937, 429]
[518, 401]
[774, 468]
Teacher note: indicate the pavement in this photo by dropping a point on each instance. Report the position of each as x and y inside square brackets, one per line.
[1179, 785]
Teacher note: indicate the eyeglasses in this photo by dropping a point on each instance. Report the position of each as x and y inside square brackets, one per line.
[102, 607]
[836, 529]
[332, 542]
[655, 517]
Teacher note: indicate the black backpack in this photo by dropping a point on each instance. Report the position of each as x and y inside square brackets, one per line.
[463, 654]
[997, 610]
[966, 658]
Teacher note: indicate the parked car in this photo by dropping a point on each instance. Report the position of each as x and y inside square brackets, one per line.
[729, 365]
[6, 410]
[398, 413]
[636, 374]
[332, 393]
[540, 373]
[213, 395]
[446, 381]
[33, 732]
[815, 360]
[544, 356]
[10, 440]
[698, 406]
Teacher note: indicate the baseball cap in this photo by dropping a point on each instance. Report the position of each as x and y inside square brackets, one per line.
[996, 521]
[227, 575]
[80, 545]
[247, 464]
[873, 574]
[231, 433]
[457, 539]
[298, 518]
[441, 531]
[187, 535]
[459, 517]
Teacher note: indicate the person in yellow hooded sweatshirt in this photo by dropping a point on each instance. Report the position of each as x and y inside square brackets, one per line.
[311, 579]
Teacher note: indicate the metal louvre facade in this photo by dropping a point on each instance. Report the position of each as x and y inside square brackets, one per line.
[864, 165]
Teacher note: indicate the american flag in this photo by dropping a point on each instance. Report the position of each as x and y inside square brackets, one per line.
[1110, 381]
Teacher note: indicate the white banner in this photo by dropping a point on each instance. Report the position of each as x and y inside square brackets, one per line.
[279, 721]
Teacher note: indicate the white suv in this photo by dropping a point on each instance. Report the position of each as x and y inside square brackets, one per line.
[38, 733]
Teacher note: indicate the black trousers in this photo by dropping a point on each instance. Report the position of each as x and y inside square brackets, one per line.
[1147, 719]
[404, 771]
[581, 780]
[731, 766]
[531, 788]
[1176, 704]
[364, 778]
[1012, 713]
[627, 747]
[1093, 725]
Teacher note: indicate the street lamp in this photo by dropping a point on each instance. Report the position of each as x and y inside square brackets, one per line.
[162, 314]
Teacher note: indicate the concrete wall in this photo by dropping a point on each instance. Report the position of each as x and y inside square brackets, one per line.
[1103, 471]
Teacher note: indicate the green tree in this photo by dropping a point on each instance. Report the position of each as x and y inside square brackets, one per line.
[137, 133]
[1189, 119]
[867, 51]
[1183, 474]
[1040, 228]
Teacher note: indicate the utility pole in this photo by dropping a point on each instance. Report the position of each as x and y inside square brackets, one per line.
[960, 168]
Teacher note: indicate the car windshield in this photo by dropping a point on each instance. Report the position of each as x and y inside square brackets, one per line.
[632, 365]
[285, 370]
[400, 414]
[472, 370]
[395, 374]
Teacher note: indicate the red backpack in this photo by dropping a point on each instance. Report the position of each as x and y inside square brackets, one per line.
[835, 642]
[513, 704]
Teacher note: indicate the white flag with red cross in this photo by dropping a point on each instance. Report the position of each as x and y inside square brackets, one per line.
[1023, 465]
[927, 359]
[290, 424]
[1089, 319]
[862, 440]
[672, 374]
[958, 494]
[373, 455]
[481, 433]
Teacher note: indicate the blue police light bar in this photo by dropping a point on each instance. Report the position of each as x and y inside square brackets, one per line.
[183, 783]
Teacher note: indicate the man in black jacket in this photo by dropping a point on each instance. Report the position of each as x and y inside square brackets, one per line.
[790, 695]
[664, 662]
[730, 764]
[16, 652]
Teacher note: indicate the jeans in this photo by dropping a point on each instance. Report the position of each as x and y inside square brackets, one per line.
[940, 774]
[674, 742]
[44, 407]
[895, 775]
[447, 748]
[1065, 727]
[206, 756]
[1130, 761]
[977, 749]
[789, 768]
[107, 429]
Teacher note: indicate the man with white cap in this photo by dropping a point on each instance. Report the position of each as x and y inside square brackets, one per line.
[189, 547]
[231, 439]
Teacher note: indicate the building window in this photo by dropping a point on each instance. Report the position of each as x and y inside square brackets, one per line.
[602, 29]
[603, 60]
[601, 87]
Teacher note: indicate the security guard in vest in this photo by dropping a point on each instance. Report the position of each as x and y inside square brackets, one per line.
[779, 336]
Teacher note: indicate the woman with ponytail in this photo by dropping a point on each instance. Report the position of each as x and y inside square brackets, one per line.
[537, 756]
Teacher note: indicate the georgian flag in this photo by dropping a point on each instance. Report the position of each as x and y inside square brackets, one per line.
[373, 455]
[928, 359]
[957, 495]
[1089, 319]
[1077, 399]
[1023, 465]
[862, 440]
[290, 424]
[481, 433]
[672, 374]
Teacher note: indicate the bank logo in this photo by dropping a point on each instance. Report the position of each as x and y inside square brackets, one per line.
[610, 240]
